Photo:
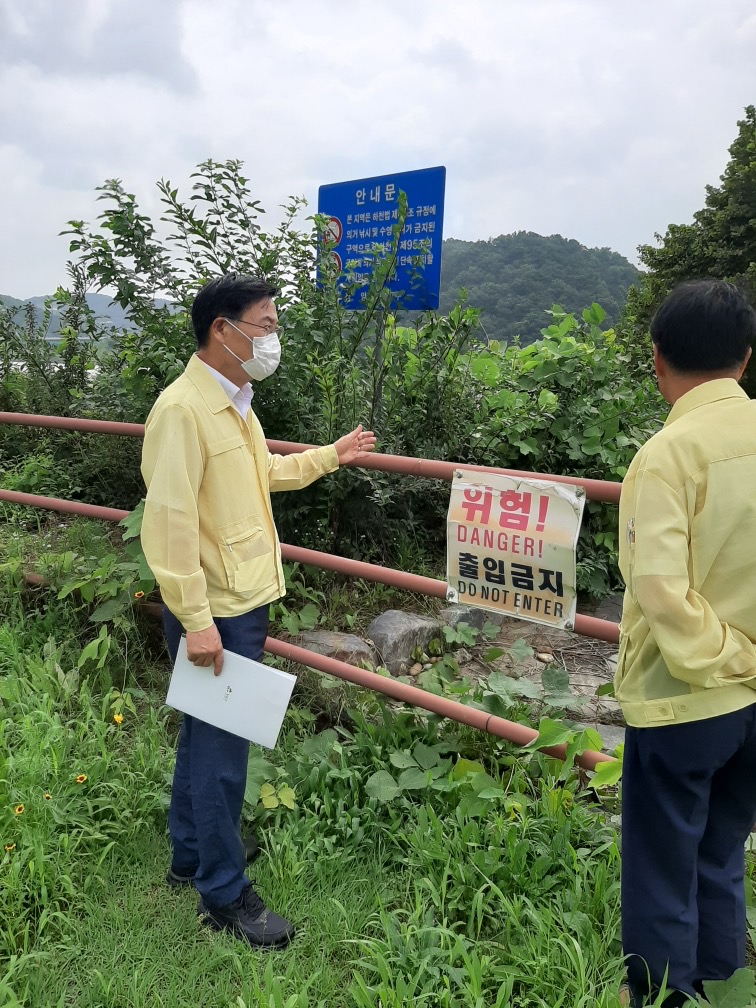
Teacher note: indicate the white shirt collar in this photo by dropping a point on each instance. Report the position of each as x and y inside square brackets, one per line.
[241, 398]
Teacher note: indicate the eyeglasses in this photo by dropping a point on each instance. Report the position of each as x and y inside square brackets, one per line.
[267, 328]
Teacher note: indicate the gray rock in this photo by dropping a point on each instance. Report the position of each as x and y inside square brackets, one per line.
[454, 614]
[396, 634]
[344, 647]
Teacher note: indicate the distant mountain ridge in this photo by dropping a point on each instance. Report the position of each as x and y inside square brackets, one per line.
[512, 279]
[101, 304]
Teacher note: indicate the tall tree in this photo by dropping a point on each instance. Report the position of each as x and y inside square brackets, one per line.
[721, 241]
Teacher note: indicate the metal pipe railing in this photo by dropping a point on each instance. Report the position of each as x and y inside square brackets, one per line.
[587, 626]
[443, 706]
[597, 490]
[73, 424]
[513, 732]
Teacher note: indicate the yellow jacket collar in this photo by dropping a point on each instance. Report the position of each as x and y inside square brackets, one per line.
[207, 386]
[703, 394]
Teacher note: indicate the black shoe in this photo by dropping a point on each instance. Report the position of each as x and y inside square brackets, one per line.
[249, 919]
[176, 879]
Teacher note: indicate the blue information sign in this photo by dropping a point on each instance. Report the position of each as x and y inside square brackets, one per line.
[361, 216]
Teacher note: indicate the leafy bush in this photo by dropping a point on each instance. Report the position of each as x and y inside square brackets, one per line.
[576, 402]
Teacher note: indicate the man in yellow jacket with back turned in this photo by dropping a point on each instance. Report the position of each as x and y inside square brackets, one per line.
[686, 674]
[209, 537]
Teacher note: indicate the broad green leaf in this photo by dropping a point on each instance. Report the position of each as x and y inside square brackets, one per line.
[474, 807]
[593, 740]
[492, 704]
[382, 786]
[402, 760]
[463, 767]
[605, 689]
[550, 733]
[493, 653]
[482, 781]
[587, 739]
[413, 779]
[309, 616]
[737, 992]
[555, 679]
[291, 623]
[107, 610]
[485, 368]
[252, 792]
[547, 400]
[287, 797]
[606, 775]
[594, 315]
[509, 689]
[321, 744]
[132, 523]
[425, 756]
[520, 650]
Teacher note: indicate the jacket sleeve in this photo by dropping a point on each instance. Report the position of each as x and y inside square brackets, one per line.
[172, 467]
[293, 472]
[697, 647]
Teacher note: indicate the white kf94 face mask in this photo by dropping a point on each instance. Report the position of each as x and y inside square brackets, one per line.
[267, 351]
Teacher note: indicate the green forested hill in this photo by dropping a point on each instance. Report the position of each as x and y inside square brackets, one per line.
[514, 278]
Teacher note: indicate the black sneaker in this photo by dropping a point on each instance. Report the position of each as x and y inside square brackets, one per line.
[249, 919]
[177, 879]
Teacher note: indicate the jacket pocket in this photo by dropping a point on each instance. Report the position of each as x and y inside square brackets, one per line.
[619, 672]
[225, 444]
[246, 553]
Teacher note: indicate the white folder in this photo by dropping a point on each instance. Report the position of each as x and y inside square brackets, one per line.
[247, 699]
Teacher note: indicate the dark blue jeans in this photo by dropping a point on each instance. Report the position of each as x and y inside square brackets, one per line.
[210, 777]
[688, 805]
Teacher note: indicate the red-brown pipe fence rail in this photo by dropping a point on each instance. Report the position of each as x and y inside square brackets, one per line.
[599, 490]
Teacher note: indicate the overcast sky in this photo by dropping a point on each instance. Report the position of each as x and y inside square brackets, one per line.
[600, 120]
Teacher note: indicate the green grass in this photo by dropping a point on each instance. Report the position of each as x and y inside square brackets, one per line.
[422, 862]
[134, 943]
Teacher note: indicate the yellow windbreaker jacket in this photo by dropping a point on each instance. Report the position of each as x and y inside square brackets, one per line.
[688, 558]
[208, 532]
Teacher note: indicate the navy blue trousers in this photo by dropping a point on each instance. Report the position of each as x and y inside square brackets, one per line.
[688, 805]
[210, 777]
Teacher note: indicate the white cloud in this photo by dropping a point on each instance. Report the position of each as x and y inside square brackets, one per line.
[602, 122]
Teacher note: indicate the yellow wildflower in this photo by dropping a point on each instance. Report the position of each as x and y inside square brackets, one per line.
[81, 778]
[10, 846]
[47, 796]
[118, 718]
[18, 809]
[138, 594]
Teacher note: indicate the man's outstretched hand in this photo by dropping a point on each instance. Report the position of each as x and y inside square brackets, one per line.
[352, 447]
[204, 648]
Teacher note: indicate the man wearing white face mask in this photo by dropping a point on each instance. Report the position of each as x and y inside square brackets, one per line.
[209, 537]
